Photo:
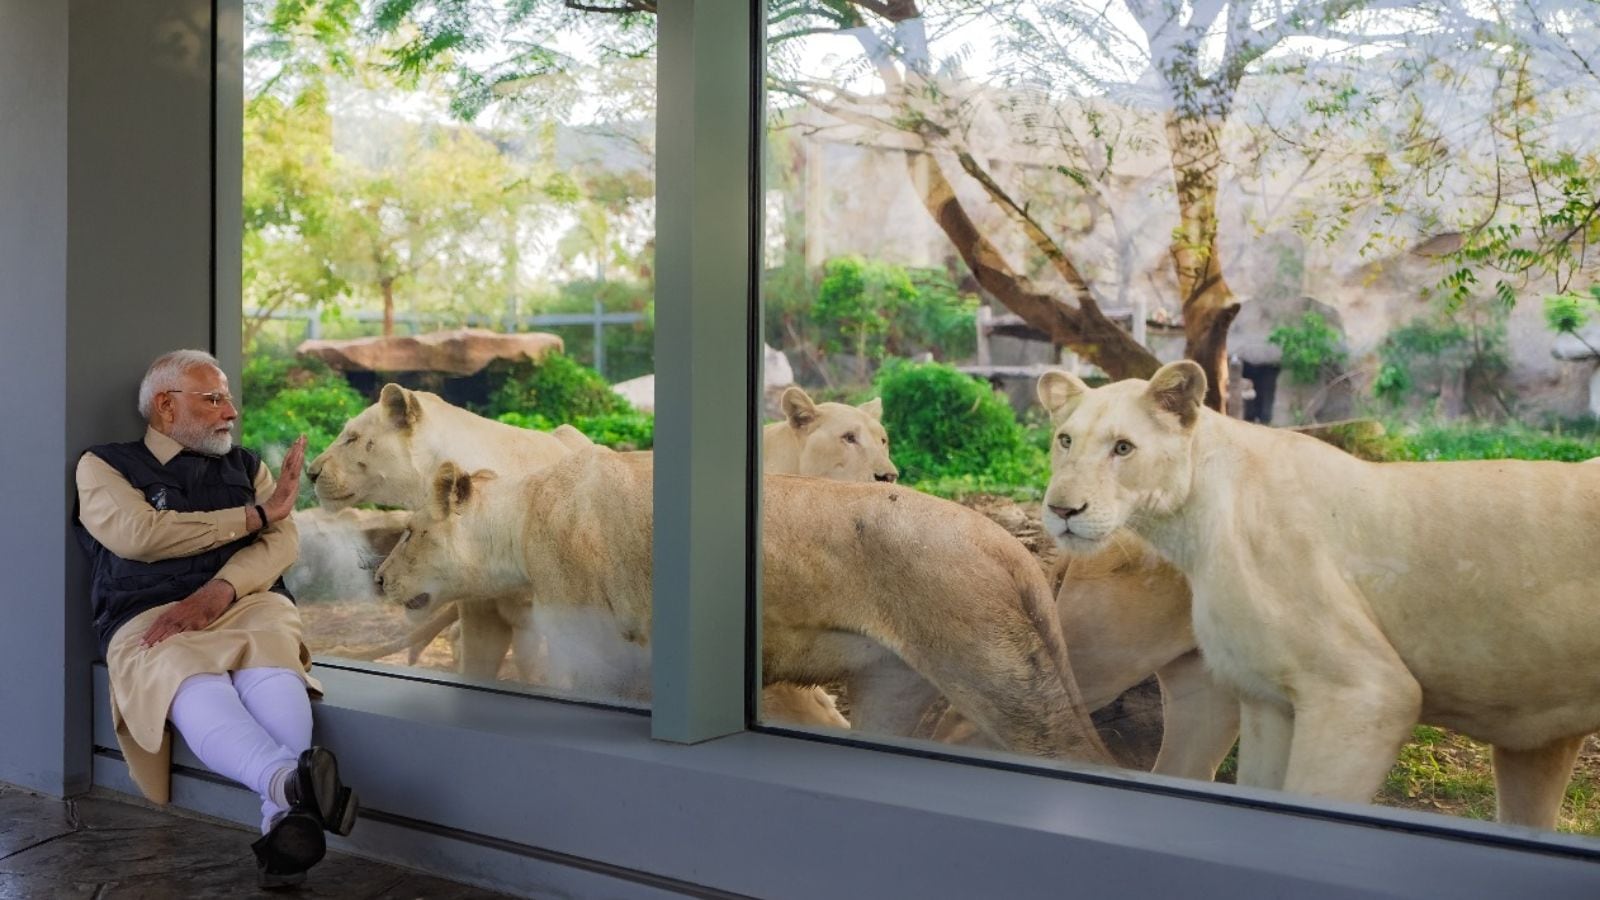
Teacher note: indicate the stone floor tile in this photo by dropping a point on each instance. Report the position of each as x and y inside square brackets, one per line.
[100, 848]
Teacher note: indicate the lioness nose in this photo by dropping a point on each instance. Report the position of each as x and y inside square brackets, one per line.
[314, 470]
[378, 579]
[887, 476]
[1066, 513]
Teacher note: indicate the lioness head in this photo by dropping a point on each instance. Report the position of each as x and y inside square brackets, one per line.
[1118, 451]
[839, 441]
[433, 555]
[370, 461]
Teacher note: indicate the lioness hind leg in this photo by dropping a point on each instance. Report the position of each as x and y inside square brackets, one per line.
[1530, 784]
[485, 638]
[1199, 719]
[1007, 684]
[888, 697]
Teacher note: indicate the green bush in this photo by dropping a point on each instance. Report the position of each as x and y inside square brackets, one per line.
[284, 398]
[950, 433]
[558, 388]
[1310, 349]
[619, 431]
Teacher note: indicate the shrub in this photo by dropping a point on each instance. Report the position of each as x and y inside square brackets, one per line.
[284, 398]
[951, 434]
[619, 431]
[1310, 349]
[557, 388]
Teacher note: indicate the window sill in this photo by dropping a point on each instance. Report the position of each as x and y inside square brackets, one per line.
[769, 815]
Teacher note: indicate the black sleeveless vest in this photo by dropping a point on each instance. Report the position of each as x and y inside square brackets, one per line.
[190, 482]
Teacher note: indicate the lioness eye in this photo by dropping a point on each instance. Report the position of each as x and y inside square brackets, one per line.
[1122, 448]
[1065, 440]
[849, 437]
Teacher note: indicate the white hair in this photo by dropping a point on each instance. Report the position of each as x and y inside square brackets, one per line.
[166, 374]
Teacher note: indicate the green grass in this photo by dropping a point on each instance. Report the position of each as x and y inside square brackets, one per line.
[1441, 771]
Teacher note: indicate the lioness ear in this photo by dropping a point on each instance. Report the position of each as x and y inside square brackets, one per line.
[873, 408]
[798, 408]
[400, 405]
[1057, 389]
[446, 489]
[1179, 388]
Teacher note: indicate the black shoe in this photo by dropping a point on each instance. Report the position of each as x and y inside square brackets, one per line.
[316, 790]
[283, 854]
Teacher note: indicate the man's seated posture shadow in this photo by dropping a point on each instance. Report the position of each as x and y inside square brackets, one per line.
[188, 536]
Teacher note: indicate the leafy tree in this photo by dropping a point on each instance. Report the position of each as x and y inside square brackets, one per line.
[1184, 67]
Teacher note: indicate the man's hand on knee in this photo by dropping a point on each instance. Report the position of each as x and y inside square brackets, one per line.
[192, 613]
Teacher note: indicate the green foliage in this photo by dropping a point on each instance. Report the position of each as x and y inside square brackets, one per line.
[1310, 350]
[630, 349]
[619, 431]
[1448, 441]
[869, 309]
[951, 434]
[1416, 358]
[855, 303]
[873, 309]
[557, 388]
[283, 398]
[1566, 312]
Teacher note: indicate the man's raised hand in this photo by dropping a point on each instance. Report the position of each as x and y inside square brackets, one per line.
[281, 503]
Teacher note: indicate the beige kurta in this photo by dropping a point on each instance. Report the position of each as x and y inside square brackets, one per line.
[259, 629]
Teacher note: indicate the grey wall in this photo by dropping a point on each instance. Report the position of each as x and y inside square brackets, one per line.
[105, 262]
[33, 397]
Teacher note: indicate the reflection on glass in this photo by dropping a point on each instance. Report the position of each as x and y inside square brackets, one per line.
[447, 263]
[1368, 232]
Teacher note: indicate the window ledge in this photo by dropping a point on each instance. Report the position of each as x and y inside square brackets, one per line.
[769, 815]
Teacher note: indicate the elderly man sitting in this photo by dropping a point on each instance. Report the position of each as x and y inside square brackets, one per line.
[188, 536]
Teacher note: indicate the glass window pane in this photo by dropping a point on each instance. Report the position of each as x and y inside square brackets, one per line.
[1175, 331]
[448, 288]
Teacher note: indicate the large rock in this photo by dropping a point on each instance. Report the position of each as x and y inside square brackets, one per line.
[464, 351]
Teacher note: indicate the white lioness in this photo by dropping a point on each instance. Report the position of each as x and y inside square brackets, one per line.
[822, 440]
[897, 593]
[387, 455]
[828, 440]
[1346, 600]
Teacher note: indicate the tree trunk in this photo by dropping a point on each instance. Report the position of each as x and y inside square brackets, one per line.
[1205, 331]
[388, 306]
[1084, 329]
[1208, 304]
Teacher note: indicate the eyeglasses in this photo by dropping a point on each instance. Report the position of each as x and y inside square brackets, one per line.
[215, 398]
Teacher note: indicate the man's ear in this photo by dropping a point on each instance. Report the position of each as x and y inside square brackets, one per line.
[163, 408]
[1179, 388]
[400, 406]
[798, 408]
[873, 408]
[1059, 392]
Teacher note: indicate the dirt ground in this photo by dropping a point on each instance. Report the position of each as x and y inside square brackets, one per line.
[1438, 771]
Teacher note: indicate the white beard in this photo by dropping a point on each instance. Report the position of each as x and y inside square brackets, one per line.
[195, 436]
